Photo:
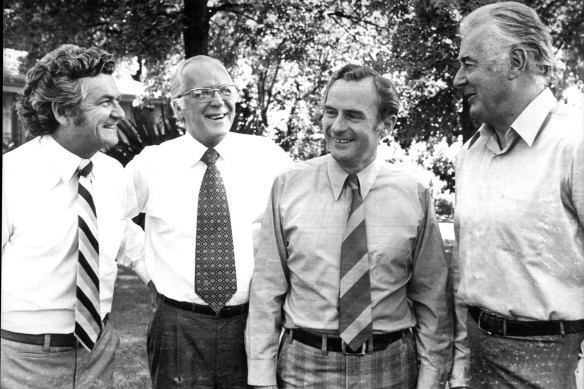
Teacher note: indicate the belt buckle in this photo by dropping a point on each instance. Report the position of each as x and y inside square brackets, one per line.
[347, 350]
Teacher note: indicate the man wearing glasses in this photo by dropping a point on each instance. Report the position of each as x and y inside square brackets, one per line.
[203, 194]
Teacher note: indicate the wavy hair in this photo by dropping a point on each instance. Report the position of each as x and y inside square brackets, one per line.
[520, 26]
[387, 95]
[55, 79]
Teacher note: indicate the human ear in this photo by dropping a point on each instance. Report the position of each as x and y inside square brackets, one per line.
[517, 62]
[60, 114]
[177, 108]
[386, 126]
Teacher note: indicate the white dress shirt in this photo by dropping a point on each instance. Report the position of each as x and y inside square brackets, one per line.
[164, 183]
[40, 235]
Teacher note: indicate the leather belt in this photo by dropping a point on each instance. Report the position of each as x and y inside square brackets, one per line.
[497, 325]
[336, 344]
[225, 312]
[50, 340]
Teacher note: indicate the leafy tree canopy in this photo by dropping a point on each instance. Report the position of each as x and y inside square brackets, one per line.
[283, 52]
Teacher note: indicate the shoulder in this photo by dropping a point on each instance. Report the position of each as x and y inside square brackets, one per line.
[255, 142]
[303, 172]
[564, 130]
[567, 122]
[158, 154]
[106, 161]
[403, 174]
[28, 150]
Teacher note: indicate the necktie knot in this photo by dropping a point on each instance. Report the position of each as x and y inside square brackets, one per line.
[210, 156]
[353, 182]
[84, 172]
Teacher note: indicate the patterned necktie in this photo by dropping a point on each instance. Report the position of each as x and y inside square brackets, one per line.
[87, 314]
[355, 320]
[215, 278]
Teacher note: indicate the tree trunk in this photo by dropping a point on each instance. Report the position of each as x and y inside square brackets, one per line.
[196, 28]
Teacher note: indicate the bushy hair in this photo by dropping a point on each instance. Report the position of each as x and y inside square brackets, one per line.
[56, 79]
[387, 96]
[520, 26]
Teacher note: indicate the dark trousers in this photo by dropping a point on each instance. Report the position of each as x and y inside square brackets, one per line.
[192, 350]
[534, 362]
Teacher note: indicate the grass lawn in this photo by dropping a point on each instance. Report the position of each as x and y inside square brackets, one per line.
[131, 314]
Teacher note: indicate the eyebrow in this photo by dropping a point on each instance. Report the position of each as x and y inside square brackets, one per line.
[108, 96]
[464, 58]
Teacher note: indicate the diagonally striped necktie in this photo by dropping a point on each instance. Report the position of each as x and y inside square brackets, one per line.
[87, 314]
[355, 319]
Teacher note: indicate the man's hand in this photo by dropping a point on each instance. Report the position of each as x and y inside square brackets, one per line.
[153, 295]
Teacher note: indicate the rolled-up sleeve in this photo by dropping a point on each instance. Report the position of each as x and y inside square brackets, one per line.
[268, 290]
[431, 294]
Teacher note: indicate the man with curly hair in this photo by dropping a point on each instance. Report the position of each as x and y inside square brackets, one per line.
[63, 227]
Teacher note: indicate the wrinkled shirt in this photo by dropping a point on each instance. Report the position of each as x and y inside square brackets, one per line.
[519, 220]
[296, 277]
[40, 235]
[164, 183]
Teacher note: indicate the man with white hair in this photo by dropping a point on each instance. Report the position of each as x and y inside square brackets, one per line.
[202, 194]
[519, 219]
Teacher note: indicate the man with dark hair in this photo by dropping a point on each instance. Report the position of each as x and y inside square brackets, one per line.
[519, 217]
[63, 228]
[350, 262]
[202, 194]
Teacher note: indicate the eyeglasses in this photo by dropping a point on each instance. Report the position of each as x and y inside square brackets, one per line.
[204, 95]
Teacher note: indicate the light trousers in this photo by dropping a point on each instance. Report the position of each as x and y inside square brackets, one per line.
[27, 366]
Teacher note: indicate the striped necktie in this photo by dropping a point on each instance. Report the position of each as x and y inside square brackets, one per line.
[87, 314]
[215, 276]
[355, 319]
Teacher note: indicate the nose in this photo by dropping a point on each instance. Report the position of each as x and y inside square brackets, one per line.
[118, 111]
[459, 79]
[216, 99]
[339, 125]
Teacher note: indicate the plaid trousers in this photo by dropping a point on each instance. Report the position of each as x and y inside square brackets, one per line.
[302, 366]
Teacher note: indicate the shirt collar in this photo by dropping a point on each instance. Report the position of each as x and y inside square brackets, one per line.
[65, 162]
[195, 149]
[337, 176]
[529, 122]
[526, 125]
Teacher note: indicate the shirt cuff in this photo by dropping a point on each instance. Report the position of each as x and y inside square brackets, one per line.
[430, 378]
[261, 372]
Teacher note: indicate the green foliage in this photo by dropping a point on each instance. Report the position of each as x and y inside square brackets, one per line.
[281, 54]
[143, 130]
[434, 162]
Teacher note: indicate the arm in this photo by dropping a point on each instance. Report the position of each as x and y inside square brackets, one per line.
[268, 289]
[459, 374]
[430, 292]
[131, 252]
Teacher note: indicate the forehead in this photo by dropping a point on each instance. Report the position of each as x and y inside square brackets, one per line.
[205, 74]
[478, 42]
[353, 95]
[99, 86]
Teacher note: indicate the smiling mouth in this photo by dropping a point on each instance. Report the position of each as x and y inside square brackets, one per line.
[216, 117]
[341, 141]
[110, 126]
